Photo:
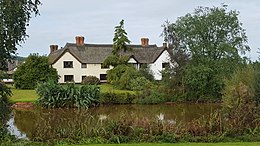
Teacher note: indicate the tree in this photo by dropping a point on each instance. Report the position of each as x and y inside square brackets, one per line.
[172, 76]
[120, 43]
[14, 17]
[212, 34]
[35, 69]
[213, 37]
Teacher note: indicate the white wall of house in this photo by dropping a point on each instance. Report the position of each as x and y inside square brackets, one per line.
[77, 71]
[156, 67]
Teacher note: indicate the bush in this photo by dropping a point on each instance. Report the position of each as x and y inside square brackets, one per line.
[91, 80]
[117, 98]
[5, 92]
[69, 95]
[139, 83]
[35, 69]
[146, 72]
[151, 95]
[239, 107]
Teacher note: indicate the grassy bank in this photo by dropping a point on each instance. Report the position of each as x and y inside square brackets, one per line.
[185, 144]
[31, 96]
[149, 144]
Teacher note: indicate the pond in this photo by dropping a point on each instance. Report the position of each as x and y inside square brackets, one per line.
[47, 123]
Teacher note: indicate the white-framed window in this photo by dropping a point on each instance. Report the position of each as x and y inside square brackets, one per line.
[68, 64]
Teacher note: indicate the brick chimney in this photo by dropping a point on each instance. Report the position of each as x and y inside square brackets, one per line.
[144, 42]
[79, 40]
[53, 48]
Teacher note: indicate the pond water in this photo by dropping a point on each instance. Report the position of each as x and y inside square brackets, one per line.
[46, 122]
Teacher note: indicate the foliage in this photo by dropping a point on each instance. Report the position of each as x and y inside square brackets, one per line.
[139, 84]
[121, 75]
[212, 34]
[208, 42]
[179, 54]
[146, 72]
[91, 80]
[5, 112]
[120, 43]
[14, 16]
[54, 95]
[35, 69]
[239, 106]
[5, 92]
[256, 81]
[120, 39]
[117, 98]
[201, 83]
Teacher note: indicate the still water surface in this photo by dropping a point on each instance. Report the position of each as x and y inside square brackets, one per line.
[31, 123]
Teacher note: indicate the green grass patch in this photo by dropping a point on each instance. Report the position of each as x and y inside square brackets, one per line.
[23, 95]
[31, 96]
[183, 144]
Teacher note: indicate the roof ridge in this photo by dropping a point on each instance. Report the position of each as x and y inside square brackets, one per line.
[110, 45]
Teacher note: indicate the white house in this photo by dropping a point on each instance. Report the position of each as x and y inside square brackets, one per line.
[77, 60]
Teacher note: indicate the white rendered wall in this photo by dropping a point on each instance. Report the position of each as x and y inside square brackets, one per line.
[77, 71]
[156, 67]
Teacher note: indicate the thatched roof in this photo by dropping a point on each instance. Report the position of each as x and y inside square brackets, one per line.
[97, 53]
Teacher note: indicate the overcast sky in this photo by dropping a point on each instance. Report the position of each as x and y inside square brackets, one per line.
[61, 20]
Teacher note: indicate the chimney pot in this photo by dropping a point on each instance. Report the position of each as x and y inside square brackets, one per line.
[145, 42]
[79, 40]
[53, 48]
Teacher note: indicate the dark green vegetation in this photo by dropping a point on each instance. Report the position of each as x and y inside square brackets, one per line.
[205, 48]
[14, 17]
[53, 95]
[120, 42]
[91, 80]
[35, 70]
[132, 124]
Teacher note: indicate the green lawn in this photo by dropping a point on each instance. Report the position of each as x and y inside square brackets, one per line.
[23, 95]
[184, 144]
[31, 96]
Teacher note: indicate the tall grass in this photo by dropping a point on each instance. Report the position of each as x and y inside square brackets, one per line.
[54, 95]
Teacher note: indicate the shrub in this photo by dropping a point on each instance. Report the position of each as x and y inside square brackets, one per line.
[146, 72]
[117, 98]
[69, 95]
[239, 106]
[139, 83]
[150, 96]
[5, 92]
[35, 69]
[91, 80]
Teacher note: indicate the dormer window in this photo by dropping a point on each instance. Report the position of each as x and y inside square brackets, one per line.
[68, 64]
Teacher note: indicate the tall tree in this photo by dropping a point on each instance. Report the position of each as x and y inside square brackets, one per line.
[213, 37]
[212, 34]
[120, 44]
[120, 40]
[14, 18]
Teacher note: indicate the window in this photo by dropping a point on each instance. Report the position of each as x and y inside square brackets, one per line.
[103, 76]
[83, 65]
[104, 67]
[68, 78]
[165, 65]
[83, 77]
[68, 64]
